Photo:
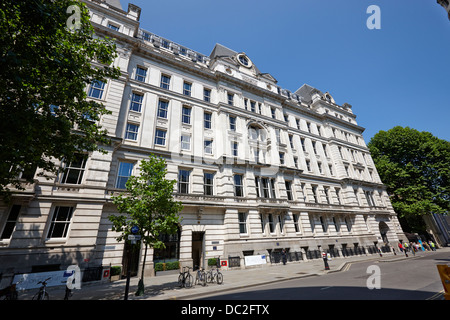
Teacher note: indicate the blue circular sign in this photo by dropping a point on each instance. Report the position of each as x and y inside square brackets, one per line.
[134, 229]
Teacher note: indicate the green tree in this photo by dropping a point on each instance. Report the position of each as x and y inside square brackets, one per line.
[45, 69]
[415, 167]
[148, 204]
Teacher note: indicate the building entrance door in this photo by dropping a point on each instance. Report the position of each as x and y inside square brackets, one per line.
[198, 252]
[383, 231]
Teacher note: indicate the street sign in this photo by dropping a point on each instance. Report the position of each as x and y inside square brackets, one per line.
[134, 229]
[134, 237]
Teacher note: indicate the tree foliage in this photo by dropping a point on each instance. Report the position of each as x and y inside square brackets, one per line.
[415, 167]
[148, 204]
[45, 69]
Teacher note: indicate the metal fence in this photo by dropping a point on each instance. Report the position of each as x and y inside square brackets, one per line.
[277, 257]
[334, 253]
[313, 254]
[372, 249]
[92, 274]
[234, 262]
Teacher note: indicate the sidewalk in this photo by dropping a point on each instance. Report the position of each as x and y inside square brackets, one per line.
[166, 287]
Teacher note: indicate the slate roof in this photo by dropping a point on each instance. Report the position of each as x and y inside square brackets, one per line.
[306, 92]
[114, 3]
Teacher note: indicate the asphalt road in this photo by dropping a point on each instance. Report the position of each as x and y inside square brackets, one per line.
[412, 279]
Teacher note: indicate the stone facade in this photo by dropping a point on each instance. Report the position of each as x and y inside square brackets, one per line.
[259, 168]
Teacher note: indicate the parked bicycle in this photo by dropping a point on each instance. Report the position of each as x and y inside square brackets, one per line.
[200, 277]
[214, 275]
[42, 294]
[185, 279]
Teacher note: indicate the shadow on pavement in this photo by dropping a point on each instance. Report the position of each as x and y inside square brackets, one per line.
[326, 293]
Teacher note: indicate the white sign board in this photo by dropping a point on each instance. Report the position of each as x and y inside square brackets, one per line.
[255, 260]
[30, 280]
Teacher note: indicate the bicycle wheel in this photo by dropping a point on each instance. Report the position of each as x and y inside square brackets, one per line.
[180, 280]
[209, 277]
[219, 278]
[203, 278]
[189, 281]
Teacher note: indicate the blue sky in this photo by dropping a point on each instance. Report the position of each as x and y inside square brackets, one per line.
[397, 75]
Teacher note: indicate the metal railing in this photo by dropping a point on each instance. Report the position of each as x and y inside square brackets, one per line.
[234, 262]
[92, 274]
[176, 48]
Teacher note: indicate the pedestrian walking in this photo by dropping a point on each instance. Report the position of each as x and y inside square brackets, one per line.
[393, 250]
[421, 245]
[283, 256]
[405, 247]
[432, 245]
[400, 247]
[413, 249]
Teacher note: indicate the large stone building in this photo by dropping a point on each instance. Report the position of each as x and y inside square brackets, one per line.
[259, 168]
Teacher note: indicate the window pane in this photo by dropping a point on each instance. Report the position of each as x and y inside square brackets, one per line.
[185, 142]
[160, 137]
[163, 107]
[60, 222]
[132, 131]
[234, 148]
[125, 169]
[207, 117]
[207, 95]
[208, 146]
[186, 115]
[136, 102]
[183, 181]
[141, 74]
[242, 222]
[230, 99]
[208, 180]
[288, 189]
[232, 123]
[96, 89]
[11, 222]
[187, 89]
[73, 173]
[238, 190]
[165, 82]
[271, 224]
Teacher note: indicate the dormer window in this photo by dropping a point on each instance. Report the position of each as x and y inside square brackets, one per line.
[113, 26]
[244, 60]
